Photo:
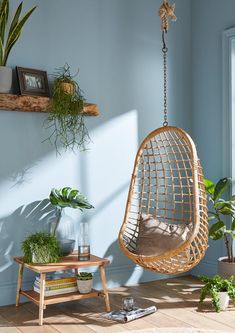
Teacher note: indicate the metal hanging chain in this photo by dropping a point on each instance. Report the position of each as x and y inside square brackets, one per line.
[164, 51]
[165, 11]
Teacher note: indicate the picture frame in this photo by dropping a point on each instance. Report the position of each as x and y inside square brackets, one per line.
[32, 82]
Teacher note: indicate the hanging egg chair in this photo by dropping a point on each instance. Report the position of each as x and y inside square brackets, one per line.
[165, 227]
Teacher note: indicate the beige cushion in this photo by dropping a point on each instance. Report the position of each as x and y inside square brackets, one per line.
[157, 237]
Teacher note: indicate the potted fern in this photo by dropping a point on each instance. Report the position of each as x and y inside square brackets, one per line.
[10, 32]
[222, 216]
[220, 290]
[71, 198]
[84, 282]
[40, 248]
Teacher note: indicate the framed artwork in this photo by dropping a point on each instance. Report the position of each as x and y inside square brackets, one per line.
[32, 82]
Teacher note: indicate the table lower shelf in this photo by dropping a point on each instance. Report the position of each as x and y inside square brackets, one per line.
[35, 297]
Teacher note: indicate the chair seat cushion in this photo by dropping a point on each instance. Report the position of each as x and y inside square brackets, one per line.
[155, 237]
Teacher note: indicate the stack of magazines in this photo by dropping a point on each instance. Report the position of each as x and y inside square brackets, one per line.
[57, 286]
[126, 316]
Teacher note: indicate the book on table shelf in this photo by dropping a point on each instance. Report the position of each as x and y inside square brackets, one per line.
[54, 280]
[57, 291]
[57, 284]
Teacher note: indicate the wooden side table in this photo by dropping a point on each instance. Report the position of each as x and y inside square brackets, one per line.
[68, 262]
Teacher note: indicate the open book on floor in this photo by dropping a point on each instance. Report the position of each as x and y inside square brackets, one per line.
[126, 316]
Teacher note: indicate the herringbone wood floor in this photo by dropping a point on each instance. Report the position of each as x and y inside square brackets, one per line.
[176, 300]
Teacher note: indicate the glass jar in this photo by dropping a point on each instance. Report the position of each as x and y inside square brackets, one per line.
[84, 242]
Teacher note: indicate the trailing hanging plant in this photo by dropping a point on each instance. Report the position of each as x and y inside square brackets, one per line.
[8, 37]
[215, 285]
[67, 197]
[40, 247]
[66, 118]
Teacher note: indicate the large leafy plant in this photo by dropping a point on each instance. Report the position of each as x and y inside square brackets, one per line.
[8, 37]
[215, 285]
[221, 209]
[67, 197]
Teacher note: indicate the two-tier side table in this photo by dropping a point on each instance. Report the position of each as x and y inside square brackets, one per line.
[68, 262]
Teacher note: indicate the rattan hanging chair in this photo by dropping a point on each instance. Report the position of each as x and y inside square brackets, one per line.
[167, 182]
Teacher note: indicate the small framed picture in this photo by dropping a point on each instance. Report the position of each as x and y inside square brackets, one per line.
[32, 82]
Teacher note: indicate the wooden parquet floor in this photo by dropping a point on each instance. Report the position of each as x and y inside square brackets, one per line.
[176, 300]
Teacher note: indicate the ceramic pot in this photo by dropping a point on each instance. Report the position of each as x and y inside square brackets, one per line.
[223, 300]
[84, 286]
[5, 79]
[225, 268]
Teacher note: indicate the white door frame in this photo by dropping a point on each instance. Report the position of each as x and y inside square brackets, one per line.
[228, 135]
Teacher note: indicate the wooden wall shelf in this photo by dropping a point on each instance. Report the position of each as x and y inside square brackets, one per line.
[36, 104]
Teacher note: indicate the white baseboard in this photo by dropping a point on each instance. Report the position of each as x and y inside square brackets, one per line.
[116, 276]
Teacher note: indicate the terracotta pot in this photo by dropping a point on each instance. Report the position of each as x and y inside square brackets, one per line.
[225, 268]
[68, 88]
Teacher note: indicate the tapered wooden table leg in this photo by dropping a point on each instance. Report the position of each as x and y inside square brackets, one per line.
[42, 293]
[19, 283]
[105, 289]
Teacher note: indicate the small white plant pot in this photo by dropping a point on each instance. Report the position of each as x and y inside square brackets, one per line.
[5, 79]
[84, 287]
[223, 300]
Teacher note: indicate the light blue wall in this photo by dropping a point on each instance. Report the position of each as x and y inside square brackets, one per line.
[117, 46]
[209, 19]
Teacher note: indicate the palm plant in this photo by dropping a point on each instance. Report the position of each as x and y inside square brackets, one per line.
[67, 197]
[8, 37]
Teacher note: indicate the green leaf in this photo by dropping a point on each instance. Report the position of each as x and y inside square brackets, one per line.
[221, 187]
[4, 12]
[210, 218]
[15, 34]
[15, 19]
[225, 207]
[217, 230]
[233, 225]
[68, 197]
[209, 186]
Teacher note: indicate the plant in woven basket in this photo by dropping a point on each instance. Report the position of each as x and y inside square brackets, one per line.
[40, 248]
[66, 119]
[67, 197]
[213, 287]
[221, 208]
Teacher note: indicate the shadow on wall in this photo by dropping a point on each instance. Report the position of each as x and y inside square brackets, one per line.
[35, 216]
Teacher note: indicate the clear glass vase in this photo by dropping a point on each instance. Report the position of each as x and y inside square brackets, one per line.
[84, 242]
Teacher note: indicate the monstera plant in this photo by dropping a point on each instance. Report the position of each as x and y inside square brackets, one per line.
[62, 198]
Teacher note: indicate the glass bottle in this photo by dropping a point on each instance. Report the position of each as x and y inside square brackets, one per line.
[84, 242]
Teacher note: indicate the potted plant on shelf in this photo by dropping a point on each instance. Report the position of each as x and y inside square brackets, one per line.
[10, 32]
[84, 282]
[220, 291]
[66, 197]
[65, 118]
[40, 248]
[220, 229]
